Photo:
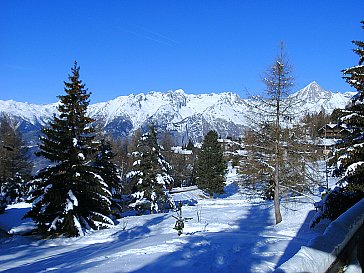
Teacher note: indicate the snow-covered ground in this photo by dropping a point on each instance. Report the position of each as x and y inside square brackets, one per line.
[231, 233]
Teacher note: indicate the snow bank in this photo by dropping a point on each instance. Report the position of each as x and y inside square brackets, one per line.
[186, 195]
[183, 189]
[11, 221]
[323, 250]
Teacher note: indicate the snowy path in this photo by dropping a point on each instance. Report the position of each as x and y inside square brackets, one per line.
[234, 234]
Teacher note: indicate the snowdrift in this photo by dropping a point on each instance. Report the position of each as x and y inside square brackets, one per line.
[323, 250]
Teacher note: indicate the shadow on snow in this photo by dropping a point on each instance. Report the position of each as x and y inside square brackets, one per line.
[230, 190]
[70, 261]
[238, 250]
[220, 251]
[299, 240]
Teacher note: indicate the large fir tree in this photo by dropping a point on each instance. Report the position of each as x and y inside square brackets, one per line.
[350, 152]
[210, 165]
[70, 195]
[348, 159]
[150, 175]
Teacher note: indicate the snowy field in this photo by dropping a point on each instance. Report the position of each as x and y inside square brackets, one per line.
[232, 233]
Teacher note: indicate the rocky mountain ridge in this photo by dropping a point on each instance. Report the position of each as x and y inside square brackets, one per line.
[183, 115]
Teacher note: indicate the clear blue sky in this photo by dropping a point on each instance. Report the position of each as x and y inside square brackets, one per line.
[133, 46]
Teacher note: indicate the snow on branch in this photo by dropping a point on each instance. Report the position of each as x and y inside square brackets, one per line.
[352, 168]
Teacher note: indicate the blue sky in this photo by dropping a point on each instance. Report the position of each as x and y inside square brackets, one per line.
[126, 47]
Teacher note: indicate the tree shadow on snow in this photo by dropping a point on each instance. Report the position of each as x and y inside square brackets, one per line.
[230, 190]
[238, 250]
[69, 261]
[13, 216]
[301, 238]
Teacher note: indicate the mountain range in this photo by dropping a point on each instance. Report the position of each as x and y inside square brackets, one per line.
[184, 116]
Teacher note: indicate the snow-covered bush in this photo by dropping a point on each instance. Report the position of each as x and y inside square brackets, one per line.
[334, 203]
[15, 189]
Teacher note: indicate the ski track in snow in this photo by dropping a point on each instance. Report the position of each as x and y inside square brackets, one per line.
[233, 234]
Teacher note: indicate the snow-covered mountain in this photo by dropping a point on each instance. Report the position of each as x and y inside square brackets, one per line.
[313, 98]
[183, 115]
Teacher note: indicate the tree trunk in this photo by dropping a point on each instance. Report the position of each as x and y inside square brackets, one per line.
[277, 209]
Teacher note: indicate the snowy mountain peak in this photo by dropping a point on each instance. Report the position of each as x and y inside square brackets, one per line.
[313, 93]
[177, 98]
[33, 113]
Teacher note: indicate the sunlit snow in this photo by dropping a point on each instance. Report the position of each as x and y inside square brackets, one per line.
[225, 234]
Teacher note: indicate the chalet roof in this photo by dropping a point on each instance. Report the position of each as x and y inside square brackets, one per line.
[330, 126]
[180, 150]
[327, 142]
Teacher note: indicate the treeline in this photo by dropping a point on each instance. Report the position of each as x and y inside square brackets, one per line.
[91, 179]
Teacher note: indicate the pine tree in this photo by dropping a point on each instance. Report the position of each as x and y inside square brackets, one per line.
[354, 76]
[210, 165]
[348, 157]
[350, 152]
[278, 156]
[110, 173]
[256, 163]
[70, 196]
[278, 82]
[150, 175]
[15, 168]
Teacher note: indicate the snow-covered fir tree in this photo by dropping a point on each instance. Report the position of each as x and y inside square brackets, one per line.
[15, 168]
[70, 195]
[110, 173]
[350, 152]
[348, 159]
[150, 176]
[210, 165]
